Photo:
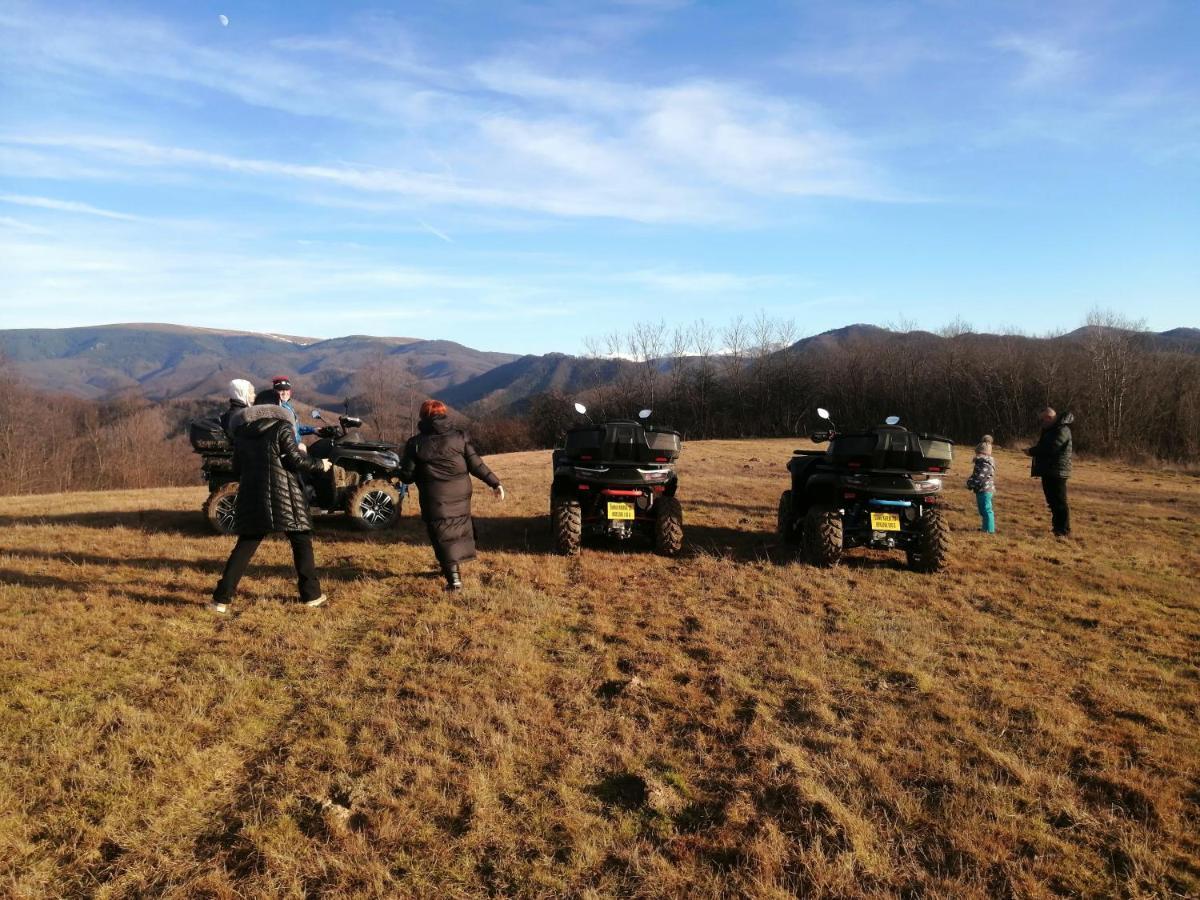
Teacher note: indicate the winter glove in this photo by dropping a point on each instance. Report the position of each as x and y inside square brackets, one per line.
[498, 492]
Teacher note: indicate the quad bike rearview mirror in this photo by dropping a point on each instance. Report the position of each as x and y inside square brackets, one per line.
[644, 414]
[581, 409]
[892, 420]
[822, 412]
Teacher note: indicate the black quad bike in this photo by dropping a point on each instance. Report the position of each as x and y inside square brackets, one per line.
[364, 483]
[616, 479]
[876, 488]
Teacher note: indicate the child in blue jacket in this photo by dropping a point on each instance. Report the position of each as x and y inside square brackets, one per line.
[983, 482]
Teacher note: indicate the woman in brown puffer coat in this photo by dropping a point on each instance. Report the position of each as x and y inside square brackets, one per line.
[270, 497]
[441, 460]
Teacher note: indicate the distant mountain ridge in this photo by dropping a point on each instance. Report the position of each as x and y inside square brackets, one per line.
[175, 362]
[168, 362]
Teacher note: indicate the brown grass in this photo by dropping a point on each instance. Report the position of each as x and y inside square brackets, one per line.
[724, 724]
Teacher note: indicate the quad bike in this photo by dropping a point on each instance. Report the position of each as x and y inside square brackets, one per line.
[364, 481]
[616, 479]
[876, 488]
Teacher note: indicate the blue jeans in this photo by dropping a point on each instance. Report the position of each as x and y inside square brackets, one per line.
[987, 519]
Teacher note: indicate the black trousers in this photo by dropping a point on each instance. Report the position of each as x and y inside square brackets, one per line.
[1055, 490]
[243, 551]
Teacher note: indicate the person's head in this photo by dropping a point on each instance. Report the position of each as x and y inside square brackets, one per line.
[282, 386]
[431, 409]
[984, 447]
[269, 397]
[241, 390]
[1047, 417]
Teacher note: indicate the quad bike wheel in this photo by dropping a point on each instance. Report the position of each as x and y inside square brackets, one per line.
[566, 518]
[668, 526]
[823, 536]
[930, 550]
[786, 524]
[373, 505]
[220, 506]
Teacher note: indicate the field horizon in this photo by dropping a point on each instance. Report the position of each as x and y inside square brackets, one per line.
[726, 723]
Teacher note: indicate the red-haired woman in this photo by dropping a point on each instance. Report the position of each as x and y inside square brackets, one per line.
[441, 460]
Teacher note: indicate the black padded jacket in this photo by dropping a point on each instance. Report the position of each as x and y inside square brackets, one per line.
[267, 463]
[441, 460]
[1054, 449]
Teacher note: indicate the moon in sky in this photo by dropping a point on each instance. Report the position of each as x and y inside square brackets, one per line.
[224, 20]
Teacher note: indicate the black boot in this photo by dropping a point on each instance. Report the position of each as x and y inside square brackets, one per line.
[453, 581]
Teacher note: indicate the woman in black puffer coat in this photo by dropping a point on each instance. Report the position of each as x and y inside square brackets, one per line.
[441, 460]
[270, 497]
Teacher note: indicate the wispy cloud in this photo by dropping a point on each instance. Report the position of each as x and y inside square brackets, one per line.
[1044, 60]
[502, 134]
[702, 282]
[435, 232]
[67, 206]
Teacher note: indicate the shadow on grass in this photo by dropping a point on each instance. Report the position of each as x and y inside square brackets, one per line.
[190, 523]
[336, 567]
[521, 534]
[83, 586]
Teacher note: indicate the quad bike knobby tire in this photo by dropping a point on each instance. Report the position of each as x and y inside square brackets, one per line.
[823, 536]
[930, 550]
[219, 508]
[373, 505]
[786, 524]
[566, 518]
[668, 526]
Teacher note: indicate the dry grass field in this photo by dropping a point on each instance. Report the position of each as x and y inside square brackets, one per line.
[728, 723]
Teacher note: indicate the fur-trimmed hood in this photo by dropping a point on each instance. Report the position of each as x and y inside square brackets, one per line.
[254, 421]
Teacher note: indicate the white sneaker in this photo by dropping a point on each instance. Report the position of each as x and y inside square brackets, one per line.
[318, 601]
[218, 607]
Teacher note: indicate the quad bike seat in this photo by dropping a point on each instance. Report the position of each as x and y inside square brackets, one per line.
[368, 445]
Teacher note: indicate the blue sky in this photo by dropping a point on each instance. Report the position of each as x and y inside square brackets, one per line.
[518, 176]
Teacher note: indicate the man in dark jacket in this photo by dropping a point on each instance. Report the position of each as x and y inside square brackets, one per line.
[441, 460]
[270, 498]
[1052, 463]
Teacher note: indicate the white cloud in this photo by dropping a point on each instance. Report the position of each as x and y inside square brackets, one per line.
[700, 282]
[1044, 60]
[494, 134]
[68, 206]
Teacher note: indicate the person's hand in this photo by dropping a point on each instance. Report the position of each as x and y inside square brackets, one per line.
[326, 465]
[498, 492]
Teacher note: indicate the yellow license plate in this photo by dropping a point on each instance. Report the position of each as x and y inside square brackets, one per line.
[625, 511]
[885, 522]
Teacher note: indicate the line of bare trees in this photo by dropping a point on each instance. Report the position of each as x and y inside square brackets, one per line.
[1130, 398]
[51, 443]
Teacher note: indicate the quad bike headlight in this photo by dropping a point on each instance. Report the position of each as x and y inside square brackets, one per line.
[855, 480]
[929, 485]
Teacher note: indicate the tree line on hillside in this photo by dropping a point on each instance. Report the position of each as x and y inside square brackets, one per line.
[748, 379]
[52, 443]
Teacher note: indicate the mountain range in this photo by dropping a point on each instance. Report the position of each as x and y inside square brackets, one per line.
[173, 362]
